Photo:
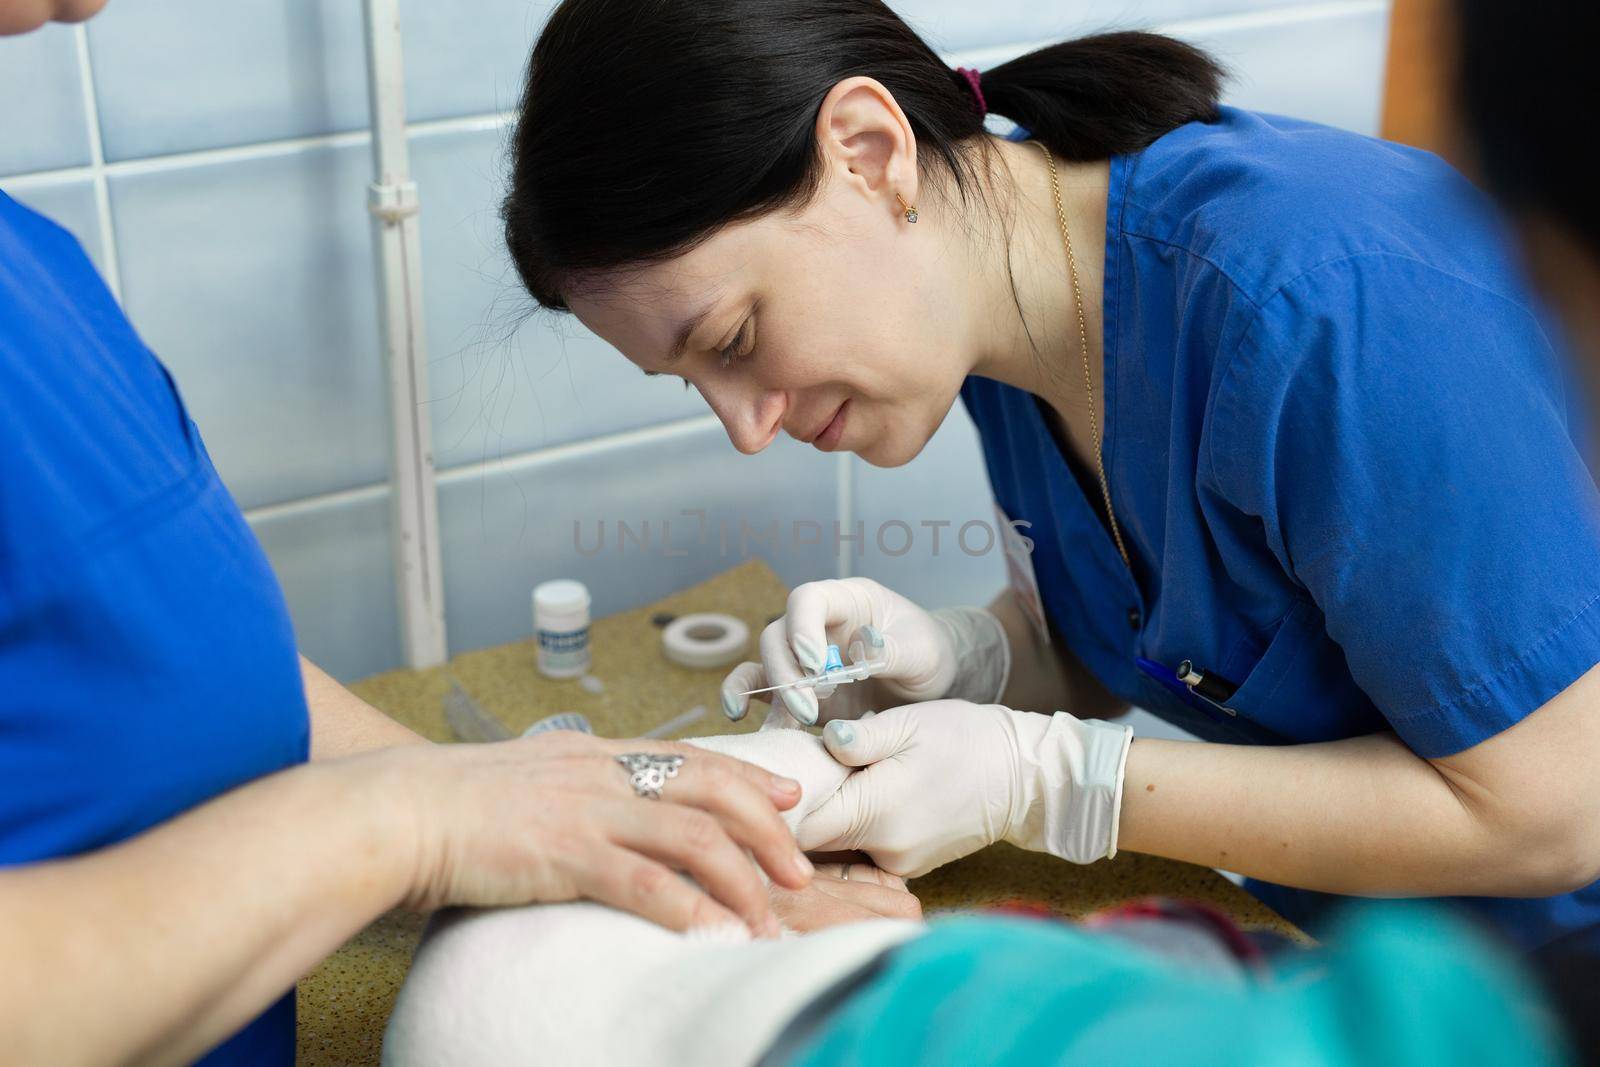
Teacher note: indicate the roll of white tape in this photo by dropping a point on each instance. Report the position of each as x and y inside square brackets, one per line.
[705, 639]
[561, 720]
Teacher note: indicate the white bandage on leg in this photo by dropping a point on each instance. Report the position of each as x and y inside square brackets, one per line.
[586, 984]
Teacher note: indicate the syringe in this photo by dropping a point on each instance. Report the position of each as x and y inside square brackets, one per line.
[834, 671]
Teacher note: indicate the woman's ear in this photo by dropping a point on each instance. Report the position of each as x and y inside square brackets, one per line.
[865, 140]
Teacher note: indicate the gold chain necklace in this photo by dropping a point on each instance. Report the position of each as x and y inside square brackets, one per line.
[1083, 346]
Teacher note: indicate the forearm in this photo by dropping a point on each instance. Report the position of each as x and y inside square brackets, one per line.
[153, 950]
[342, 724]
[1045, 675]
[1363, 816]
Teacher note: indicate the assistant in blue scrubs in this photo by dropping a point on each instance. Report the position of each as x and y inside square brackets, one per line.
[1341, 450]
[147, 662]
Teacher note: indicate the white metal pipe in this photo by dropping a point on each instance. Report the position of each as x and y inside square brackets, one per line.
[392, 199]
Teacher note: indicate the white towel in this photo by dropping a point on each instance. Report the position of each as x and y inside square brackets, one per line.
[586, 984]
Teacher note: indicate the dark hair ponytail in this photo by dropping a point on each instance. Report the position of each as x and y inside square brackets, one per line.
[646, 125]
[1105, 95]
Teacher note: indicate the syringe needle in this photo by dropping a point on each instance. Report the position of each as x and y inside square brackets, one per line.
[834, 673]
[769, 689]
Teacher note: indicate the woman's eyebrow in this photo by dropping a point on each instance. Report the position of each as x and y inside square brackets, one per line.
[686, 331]
[680, 343]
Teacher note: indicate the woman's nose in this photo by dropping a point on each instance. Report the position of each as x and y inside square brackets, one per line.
[752, 418]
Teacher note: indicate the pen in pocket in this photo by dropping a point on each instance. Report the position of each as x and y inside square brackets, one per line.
[1212, 687]
[1186, 681]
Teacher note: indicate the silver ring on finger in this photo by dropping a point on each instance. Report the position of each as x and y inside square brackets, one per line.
[648, 772]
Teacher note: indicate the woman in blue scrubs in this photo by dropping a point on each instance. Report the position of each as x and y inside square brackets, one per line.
[170, 863]
[1286, 438]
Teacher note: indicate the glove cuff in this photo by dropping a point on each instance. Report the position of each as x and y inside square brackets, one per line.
[1109, 769]
[1073, 790]
[982, 654]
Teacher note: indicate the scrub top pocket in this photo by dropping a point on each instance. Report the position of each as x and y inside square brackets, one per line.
[1260, 680]
[1299, 688]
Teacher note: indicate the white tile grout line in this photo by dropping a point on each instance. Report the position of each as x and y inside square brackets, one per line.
[305, 505]
[1286, 15]
[515, 463]
[589, 446]
[258, 150]
[986, 56]
[97, 165]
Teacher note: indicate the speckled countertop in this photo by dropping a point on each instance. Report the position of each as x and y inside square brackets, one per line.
[345, 1002]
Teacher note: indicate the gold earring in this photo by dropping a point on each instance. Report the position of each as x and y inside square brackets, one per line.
[910, 209]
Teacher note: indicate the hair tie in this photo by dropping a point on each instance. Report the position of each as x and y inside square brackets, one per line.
[973, 77]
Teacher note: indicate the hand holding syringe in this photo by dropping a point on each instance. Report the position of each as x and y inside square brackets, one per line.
[835, 672]
[910, 654]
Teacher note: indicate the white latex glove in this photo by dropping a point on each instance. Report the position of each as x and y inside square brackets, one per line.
[946, 778]
[954, 652]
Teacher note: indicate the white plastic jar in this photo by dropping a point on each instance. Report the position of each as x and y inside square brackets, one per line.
[561, 626]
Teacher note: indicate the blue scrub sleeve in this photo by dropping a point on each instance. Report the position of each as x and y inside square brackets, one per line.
[1402, 436]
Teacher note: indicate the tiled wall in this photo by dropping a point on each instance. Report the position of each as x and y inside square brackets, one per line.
[211, 159]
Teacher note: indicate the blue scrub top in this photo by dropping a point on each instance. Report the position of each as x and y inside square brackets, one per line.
[147, 662]
[1338, 445]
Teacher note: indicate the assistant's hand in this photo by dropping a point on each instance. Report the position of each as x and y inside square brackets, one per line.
[553, 818]
[946, 778]
[953, 652]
